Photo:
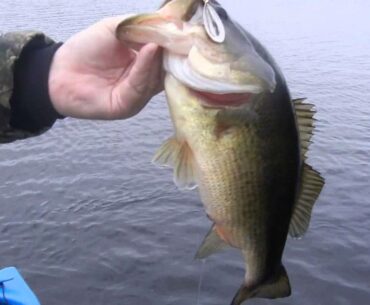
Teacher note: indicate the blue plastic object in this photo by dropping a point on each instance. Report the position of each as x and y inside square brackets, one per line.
[14, 290]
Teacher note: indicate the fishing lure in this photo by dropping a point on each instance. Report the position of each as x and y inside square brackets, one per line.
[213, 23]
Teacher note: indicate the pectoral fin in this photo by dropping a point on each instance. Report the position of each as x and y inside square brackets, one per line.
[179, 156]
[211, 244]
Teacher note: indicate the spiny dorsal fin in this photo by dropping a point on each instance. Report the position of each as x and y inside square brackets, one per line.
[311, 186]
[211, 244]
[177, 155]
[305, 118]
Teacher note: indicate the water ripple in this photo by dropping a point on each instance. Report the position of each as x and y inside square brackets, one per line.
[89, 220]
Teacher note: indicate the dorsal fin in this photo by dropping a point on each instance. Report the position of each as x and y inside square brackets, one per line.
[177, 155]
[310, 188]
[305, 118]
[311, 182]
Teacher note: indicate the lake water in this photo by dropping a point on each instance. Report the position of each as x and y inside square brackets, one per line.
[88, 220]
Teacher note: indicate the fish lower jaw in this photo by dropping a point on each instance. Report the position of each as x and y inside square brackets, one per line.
[214, 100]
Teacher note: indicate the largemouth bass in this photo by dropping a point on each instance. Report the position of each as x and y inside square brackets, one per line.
[238, 137]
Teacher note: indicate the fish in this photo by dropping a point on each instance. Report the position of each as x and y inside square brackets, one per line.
[239, 137]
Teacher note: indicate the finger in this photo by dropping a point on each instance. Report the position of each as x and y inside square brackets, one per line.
[133, 45]
[141, 73]
[112, 22]
[156, 80]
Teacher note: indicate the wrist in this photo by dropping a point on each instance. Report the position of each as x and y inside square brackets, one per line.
[57, 84]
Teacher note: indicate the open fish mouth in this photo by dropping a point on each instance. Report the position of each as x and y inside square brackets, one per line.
[181, 68]
[228, 100]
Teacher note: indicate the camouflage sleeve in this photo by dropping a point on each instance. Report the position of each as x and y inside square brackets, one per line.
[11, 47]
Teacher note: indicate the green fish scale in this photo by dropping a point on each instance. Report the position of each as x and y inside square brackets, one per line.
[231, 186]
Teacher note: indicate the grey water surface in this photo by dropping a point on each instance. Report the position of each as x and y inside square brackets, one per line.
[88, 219]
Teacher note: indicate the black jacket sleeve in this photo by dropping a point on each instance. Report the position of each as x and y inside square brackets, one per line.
[25, 106]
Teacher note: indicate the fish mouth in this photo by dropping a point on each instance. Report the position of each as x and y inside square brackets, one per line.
[228, 100]
[211, 93]
[182, 68]
[223, 74]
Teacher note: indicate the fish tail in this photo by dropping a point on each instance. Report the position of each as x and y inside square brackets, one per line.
[276, 286]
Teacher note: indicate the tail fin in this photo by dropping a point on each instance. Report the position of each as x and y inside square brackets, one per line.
[277, 286]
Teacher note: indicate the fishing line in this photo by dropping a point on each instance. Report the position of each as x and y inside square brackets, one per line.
[203, 262]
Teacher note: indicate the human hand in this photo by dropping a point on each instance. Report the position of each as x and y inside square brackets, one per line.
[95, 76]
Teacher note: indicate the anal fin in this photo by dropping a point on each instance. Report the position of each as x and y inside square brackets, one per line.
[211, 244]
[179, 156]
